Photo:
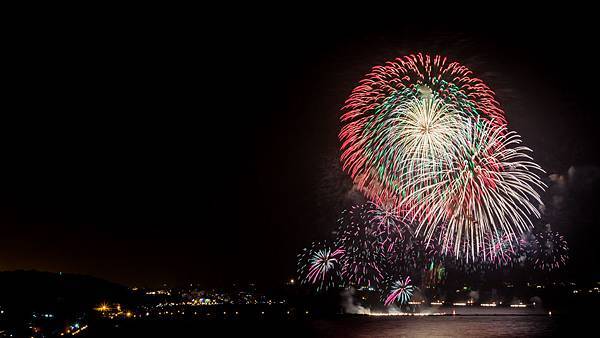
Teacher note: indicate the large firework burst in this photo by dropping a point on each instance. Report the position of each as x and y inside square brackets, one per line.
[488, 187]
[426, 136]
[408, 109]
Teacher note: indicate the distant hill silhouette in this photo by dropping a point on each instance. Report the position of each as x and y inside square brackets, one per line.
[25, 292]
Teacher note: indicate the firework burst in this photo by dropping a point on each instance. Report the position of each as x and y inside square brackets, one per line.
[448, 184]
[425, 136]
[363, 257]
[319, 265]
[499, 250]
[408, 110]
[400, 291]
[387, 224]
[550, 251]
[489, 187]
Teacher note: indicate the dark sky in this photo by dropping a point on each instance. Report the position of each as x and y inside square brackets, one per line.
[173, 151]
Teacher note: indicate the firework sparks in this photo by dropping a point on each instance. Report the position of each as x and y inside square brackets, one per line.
[318, 265]
[401, 291]
[425, 136]
[363, 259]
[387, 225]
[489, 187]
[550, 251]
[499, 249]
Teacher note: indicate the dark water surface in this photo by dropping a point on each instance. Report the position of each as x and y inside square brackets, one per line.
[458, 326]
[484, 326]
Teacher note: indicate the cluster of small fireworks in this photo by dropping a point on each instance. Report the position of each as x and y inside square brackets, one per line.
[363, 255]
[427, 143]
[373, 249]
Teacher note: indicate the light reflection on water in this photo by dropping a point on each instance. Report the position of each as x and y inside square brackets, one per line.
[459, 326]
[355, 327]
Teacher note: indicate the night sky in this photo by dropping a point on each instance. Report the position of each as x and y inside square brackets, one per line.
[182, 152]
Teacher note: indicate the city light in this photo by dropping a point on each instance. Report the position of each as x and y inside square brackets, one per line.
[103, 307]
